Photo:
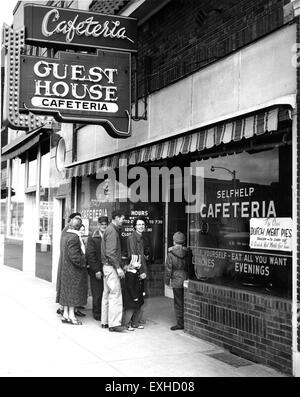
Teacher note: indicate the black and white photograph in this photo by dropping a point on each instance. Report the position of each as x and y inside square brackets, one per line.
[150, 199]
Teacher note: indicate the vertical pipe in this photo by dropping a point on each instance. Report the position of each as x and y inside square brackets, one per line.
[136, 98]
[75, 193]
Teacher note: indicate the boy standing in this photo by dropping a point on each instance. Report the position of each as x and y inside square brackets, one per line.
[176, 273]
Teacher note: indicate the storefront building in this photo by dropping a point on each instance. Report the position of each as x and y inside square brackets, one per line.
[209, 93]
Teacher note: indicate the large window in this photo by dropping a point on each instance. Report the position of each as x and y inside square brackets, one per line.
[237, 189]
[97, 197]
[17, 199]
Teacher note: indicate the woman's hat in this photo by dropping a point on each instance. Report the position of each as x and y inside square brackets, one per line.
[179, 238]
[103, 219]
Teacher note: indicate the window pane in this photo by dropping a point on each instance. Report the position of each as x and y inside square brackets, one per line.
[17, 198]
[237, 188]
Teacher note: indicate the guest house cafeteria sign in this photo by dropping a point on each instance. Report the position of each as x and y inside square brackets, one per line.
[92, 88]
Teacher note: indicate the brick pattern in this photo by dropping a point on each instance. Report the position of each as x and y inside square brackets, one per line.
[187, 35]
[108, 6]
[256, 327]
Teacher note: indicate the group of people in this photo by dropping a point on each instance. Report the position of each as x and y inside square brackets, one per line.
[117, 284]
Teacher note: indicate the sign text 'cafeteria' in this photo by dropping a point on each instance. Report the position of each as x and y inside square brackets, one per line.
[79, 87]
[66, 27]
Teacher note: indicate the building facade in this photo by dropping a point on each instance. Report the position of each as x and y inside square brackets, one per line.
[214, 89]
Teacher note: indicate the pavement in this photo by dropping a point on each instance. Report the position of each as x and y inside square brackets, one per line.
[35, 343]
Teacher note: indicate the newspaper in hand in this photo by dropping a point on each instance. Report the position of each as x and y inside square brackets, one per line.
[135, 262]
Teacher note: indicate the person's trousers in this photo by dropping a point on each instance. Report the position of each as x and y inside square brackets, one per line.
[97, 292]
[132, 316]
[112, 302]
[179, 305]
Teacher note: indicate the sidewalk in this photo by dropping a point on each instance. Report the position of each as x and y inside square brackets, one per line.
[34, 342]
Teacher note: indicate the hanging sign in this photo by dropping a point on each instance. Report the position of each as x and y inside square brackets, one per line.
[79, 88]
[49, 26]
[271, 233]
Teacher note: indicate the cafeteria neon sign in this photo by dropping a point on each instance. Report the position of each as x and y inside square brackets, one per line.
[67, 28]
[88, 27]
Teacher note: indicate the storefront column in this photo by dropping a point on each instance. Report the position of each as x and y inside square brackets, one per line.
[57, 227]
[296, 353]
[30, 232]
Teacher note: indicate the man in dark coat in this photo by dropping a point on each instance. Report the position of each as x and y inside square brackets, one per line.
[95, 267]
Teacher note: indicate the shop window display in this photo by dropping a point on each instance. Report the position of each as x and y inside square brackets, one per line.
[242, 190]
[97, 197]
[17, 199]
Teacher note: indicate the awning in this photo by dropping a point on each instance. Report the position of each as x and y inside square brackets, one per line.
[222, 133]
[20, 145]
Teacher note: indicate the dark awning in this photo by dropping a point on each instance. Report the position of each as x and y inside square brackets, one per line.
[230, 131]
[21, 144]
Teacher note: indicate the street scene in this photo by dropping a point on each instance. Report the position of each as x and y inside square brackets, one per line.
[48, 348]
[149, 189]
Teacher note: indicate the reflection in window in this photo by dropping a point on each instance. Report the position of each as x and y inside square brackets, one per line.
[17, 199]
[46, 204]
[237, 188]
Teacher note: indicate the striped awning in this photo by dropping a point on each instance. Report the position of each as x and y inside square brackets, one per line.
[226, 132]
[20, 145]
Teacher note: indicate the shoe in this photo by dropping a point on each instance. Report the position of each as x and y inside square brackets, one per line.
[75, 321]
[79, 313]
[118, 328]
[129, 328]
[60, 311]
[176, 327]
[138, 326]
[104, 325]
[65, 320]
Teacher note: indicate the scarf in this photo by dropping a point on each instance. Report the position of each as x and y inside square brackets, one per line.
[80, 239]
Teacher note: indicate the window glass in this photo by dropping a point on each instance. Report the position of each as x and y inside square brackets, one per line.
[4, 193]
[97, 197]
[92, 201]
[17, 199]
[46, 204]
[238, 188]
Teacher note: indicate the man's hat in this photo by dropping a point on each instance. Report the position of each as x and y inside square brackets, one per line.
[103, 219]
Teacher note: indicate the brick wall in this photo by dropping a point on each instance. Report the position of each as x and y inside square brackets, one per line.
[253, 326]
[186, 35]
